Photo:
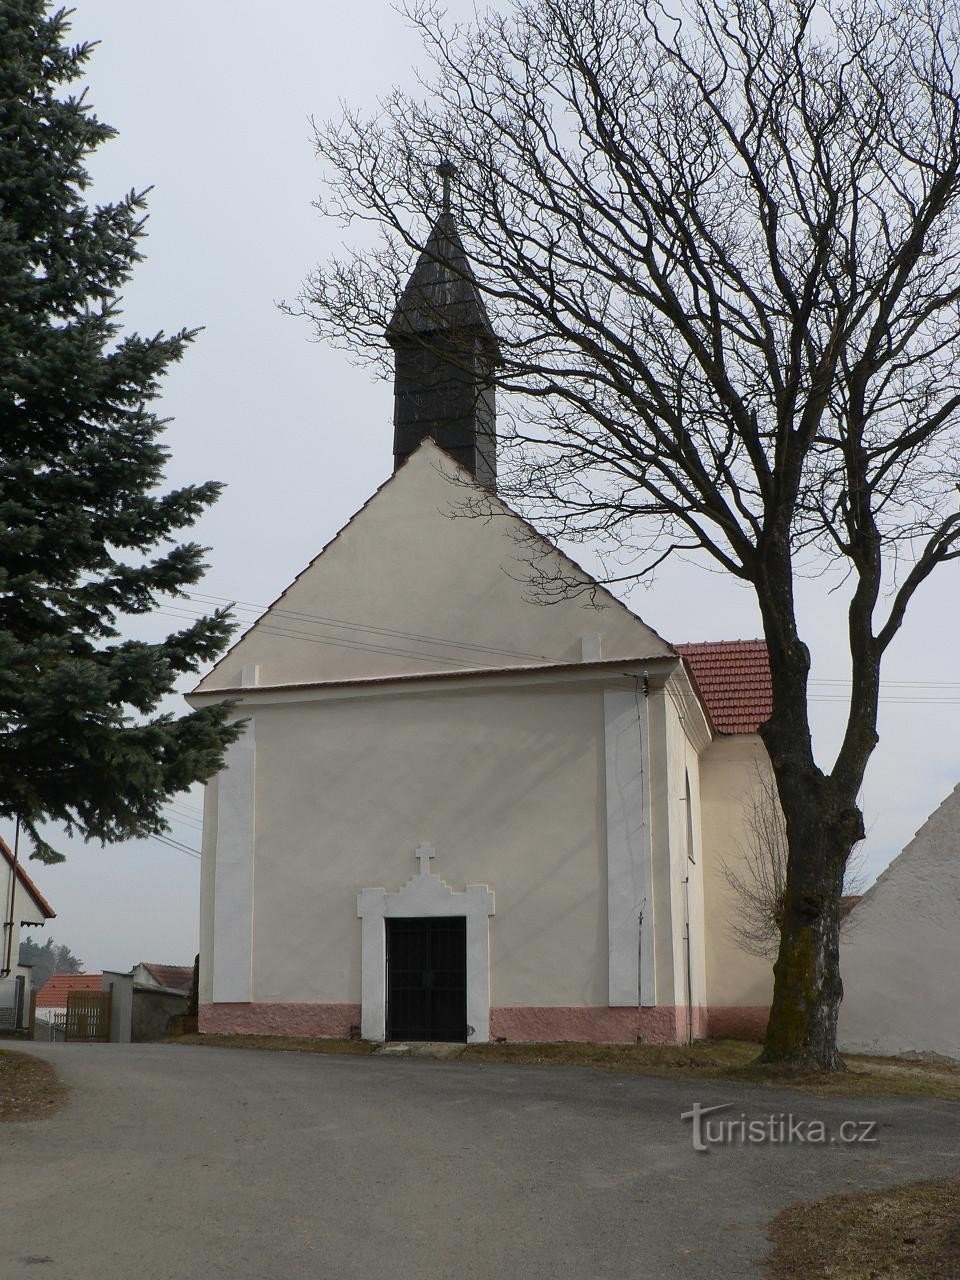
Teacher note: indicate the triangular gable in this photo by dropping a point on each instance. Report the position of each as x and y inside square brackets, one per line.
[923, 880]
[411, 585]
[39, 901]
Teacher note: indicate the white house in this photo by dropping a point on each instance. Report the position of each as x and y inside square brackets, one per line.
[23, 906]
[455, 812]
[901, 959]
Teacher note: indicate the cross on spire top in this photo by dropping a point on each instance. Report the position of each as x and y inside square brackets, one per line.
[447, 171]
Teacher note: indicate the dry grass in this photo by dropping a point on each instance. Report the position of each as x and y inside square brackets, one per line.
[724, 1060]
[736, 1060]
[279, 1044]
[30, 1089]
[904, 1233]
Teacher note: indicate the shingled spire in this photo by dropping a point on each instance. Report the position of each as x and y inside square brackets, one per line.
[444, 354]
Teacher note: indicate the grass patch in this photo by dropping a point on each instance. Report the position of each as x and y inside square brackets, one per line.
[30, 1089]
[904, 1233]
[730, 1060]
[279, 1044]
[736, 1060]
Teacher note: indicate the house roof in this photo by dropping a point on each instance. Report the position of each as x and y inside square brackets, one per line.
[733, 679]
[177, 977]
[42, 904]
[53, 993]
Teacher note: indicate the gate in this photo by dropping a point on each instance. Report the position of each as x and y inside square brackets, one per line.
[88, 1015]
[11, 1003]
[427, 978]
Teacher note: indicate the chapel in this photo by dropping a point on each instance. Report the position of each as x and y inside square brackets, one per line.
[456, 813]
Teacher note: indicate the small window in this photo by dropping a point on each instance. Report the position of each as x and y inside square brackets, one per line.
[689, 802]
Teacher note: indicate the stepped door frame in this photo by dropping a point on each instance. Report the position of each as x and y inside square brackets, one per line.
[425, 895]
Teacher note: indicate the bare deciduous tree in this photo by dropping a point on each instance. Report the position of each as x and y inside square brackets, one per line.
[721, 255]
[757, 875]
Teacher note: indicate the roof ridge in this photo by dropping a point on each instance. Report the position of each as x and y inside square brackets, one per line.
[307, 567]
[548, 542]
[72, 977]
[719, 644]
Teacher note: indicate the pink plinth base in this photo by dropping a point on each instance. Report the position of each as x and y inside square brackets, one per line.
[596, 1024]
[531, 1023]
[732, 1022]
[330, 1021]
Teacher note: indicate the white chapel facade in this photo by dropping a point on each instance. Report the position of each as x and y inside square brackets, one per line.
[457, 813]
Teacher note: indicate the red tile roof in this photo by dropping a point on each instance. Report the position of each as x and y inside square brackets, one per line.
[7, 853]
[176, 976]
[733, 679]
[53, 993]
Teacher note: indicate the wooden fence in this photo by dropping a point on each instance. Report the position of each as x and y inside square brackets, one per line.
[88, 1015]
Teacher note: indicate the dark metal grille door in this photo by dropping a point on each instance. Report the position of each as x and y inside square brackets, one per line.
[427, 978]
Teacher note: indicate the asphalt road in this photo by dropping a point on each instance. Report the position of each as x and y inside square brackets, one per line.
[190, 1163]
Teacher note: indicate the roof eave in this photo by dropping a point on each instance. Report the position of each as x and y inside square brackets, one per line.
[42, 904]
[607, 666]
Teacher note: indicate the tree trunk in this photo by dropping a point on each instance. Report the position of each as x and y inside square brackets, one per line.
[823, 824]
[822, 831]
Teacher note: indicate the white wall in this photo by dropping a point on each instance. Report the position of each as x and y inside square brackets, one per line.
[728, 782]
[25, 911]
[121, 1004]
[208, 867]
[411, 569]
[508, 787]
[686, 734]
[900, 960]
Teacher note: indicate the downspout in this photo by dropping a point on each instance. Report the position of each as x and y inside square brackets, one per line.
[686, 896]
[646, 694]
[640, 955]
[8, 923]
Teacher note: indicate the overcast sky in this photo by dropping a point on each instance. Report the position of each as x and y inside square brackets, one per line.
[212, 102]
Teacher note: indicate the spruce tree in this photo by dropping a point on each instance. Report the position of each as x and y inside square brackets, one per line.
[87, 538]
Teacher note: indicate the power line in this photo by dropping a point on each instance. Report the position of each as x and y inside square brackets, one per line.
[184, 803]
[846, 682]
[304, 616]
[174, 844]
[182, 815]
[357, 645]
[892, 700]
[315, 619]
[361, 646]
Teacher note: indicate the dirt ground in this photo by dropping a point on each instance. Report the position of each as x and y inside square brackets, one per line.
[904, 1233]
[703, 1060]
[29, 1088]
